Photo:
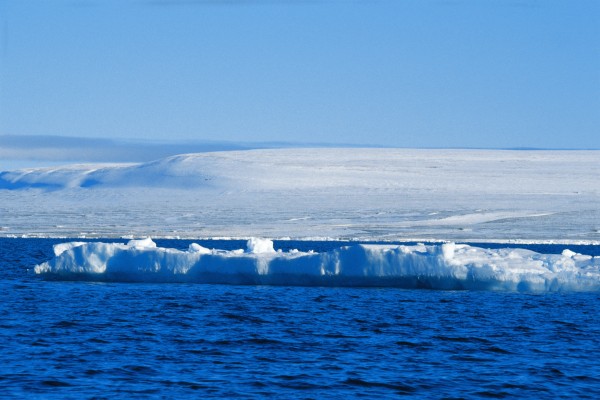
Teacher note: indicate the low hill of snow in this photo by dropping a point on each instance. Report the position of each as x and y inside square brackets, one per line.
[348, 193]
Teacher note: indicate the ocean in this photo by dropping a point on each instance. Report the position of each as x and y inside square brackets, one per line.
[82, 339]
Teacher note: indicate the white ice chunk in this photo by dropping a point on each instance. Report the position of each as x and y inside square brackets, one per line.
[258, 246]
[448, 250]
[62, 247]
[142, 243]
[196, 248]
[568, 253]
[446, 266]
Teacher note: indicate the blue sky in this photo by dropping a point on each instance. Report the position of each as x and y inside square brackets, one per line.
[406, 73]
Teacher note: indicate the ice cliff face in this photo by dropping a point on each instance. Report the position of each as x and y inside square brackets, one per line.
[446, 266]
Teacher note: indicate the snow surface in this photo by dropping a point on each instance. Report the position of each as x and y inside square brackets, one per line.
[359, 194]
[445, 266]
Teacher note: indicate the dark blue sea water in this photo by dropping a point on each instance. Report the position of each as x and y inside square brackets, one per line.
[118, 340]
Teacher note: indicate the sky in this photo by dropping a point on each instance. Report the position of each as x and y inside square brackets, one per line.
[396, 73]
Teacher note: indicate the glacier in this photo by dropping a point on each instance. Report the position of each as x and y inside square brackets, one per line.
[447, 266]
[350, 194]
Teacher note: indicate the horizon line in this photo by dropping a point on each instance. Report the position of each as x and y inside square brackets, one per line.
[65, 142]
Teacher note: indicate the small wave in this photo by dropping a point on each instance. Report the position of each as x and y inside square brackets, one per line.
[399, 387]
[55, 383]
[446, 266]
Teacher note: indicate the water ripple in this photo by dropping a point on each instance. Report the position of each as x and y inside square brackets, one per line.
[82, 340]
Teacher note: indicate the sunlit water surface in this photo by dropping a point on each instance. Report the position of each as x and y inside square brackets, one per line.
[82, 339]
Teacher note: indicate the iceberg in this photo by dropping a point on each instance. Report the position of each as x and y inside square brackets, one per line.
[447, 266]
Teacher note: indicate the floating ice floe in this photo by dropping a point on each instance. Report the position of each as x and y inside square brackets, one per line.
[447, 266]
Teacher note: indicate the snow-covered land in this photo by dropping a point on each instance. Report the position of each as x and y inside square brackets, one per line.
[383, 194]
[445, 266]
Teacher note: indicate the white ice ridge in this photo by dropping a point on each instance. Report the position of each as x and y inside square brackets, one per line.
[446, 266]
